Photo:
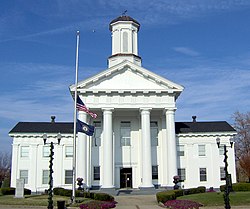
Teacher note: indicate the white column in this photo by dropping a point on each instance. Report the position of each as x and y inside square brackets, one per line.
[81, 151]
[33, 169]
[146, 149]
[108, 164]
[171, 146]
[15, 164]
[164, 156]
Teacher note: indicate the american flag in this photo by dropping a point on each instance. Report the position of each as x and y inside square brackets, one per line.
[80, 106]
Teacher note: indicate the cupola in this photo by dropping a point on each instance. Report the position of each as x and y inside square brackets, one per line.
[124, 31]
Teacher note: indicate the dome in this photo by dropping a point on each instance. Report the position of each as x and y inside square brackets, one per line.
[124, 18]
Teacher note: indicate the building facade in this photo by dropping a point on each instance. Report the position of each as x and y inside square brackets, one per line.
[137, 143]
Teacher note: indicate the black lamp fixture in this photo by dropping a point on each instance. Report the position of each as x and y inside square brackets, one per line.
[59, 137]
[50, 190]
[231, 140]
[227, 175]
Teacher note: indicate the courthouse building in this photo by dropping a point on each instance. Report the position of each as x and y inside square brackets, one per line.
[137, 143]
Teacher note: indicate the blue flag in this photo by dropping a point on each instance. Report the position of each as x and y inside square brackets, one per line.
[85, 128]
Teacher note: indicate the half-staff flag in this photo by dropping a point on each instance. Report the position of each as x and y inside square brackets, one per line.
[85, 128]
[80, 106]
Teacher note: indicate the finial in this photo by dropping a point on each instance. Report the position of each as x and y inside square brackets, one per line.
[124, 13]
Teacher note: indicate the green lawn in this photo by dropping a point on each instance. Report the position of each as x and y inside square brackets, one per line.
[216, 198]
[38, 200]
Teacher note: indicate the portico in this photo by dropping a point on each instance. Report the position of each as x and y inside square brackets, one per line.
[127, 98]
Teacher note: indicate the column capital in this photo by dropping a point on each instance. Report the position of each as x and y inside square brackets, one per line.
[169, 110]
[145, 109]
[108, 109]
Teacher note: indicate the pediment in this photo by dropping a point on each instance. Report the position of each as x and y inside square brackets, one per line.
[127, 76]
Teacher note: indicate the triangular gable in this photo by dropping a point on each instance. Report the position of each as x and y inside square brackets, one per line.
[128, 76]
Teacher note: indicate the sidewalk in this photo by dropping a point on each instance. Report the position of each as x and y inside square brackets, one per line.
[136, 202]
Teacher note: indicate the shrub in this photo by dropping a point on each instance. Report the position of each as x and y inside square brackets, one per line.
[165, 196]
[103, 197]
[58, 191]
[178, 192]
[6, 183]
[195, 190]
[27, 191]
[173, 194]
[201, 189]
[238, 187]
[67, 192]
[8, 191]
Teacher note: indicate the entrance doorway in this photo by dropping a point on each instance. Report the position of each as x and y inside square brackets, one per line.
[126, 178]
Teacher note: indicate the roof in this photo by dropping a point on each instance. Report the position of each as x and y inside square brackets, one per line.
[92, 83]
[67, 127]
[43, 127]
[124, 18]
[199, 127]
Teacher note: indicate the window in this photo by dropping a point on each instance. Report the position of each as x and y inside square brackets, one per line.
[25, 151]
[45, 177]
[69, 151]
[222, 173]
[180, 150]
[154, 133]
[154, 172]
[46, 151]
[221, 149]
[68, 176]
[202, 150]
[125, 133]
[182, 174]
[97, 173]
[203, 174]
[24, 175]
[97, 134]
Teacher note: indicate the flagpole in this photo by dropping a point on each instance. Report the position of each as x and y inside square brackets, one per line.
[74, 138]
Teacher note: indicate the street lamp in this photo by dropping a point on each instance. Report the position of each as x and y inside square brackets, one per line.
[227, 175]
[50, 190]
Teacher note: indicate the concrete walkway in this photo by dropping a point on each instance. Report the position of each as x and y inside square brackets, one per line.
[136, 202]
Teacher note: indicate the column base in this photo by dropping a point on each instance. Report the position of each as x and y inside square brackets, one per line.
[167, 187]
[147, 187]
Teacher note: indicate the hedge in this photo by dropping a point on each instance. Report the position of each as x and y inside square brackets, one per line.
[238, 187]
[11, 191]
[103, 197]
[91, 195]
[164, 196]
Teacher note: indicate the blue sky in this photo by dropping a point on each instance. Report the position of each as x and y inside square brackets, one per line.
[202, 45]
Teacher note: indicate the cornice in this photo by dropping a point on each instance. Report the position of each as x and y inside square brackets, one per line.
[206, 134]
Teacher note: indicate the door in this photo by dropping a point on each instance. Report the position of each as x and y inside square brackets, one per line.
[126, 178]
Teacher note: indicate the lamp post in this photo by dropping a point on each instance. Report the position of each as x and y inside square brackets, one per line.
[227, 175]
[50, 190]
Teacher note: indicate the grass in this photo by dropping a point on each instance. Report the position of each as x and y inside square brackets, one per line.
[37, 200]
[217, 199]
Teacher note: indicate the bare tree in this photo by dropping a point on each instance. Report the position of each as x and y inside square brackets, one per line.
[5, 166]
[245, 164]
[242, 140]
